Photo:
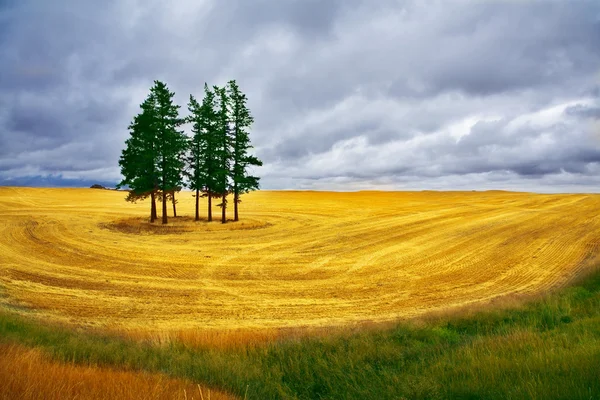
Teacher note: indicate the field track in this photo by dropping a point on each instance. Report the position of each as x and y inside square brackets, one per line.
[86, 257]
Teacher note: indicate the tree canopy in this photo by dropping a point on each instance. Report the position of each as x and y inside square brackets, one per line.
[159, 158]
[241, 120]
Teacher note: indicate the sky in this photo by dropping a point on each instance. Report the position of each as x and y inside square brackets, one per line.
[346, 94]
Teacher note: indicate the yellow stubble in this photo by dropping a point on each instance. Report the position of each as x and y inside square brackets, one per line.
[295, 259]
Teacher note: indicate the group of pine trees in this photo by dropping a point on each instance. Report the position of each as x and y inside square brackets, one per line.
[159, 158]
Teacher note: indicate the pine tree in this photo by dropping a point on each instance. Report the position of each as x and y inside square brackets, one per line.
[153, 161]
[137, 160]
[241, 120]
[195, 172]
[202, 158]
[223, 150]
[170, 143]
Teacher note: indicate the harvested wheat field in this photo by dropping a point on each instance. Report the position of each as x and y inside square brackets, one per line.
[86, 257]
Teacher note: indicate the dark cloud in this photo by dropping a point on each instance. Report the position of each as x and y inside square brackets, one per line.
[511, 46]
[345, 94]
[583, 111]
[311, 18]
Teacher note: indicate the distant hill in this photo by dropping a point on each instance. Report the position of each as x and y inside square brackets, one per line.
[54, 181]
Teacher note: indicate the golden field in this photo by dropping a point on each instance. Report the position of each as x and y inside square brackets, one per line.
[87, 258]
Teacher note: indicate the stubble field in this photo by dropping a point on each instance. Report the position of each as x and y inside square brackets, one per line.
[295, 259]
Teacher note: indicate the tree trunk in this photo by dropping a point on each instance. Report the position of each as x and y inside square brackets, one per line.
[209, 206]
[164, 207]
[223, 208]
[152, 207]
[174, 208]
[197, 205]
[155, 208]
[164, 182]
[236, 198]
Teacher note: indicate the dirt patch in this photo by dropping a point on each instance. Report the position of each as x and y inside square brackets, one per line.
[178, 225]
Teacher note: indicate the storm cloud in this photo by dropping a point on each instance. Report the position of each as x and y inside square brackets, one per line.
[346, 94]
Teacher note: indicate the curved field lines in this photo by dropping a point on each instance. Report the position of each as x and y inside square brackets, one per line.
[87, 258]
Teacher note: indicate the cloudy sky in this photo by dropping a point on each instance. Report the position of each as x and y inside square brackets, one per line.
[346, 94]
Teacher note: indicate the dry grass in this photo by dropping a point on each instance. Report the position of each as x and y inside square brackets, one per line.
[28, 374]
[295, 260]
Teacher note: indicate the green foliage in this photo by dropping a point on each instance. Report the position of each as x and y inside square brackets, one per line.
[214, 161]
[153, 156]
[170, 143]
[241, 120]
[529, 352]
[137, 160]
[202, 160]
[223, 141]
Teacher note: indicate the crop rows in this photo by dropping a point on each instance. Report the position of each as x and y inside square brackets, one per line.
[297, 259]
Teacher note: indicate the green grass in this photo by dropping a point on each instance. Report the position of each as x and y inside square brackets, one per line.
[545, 349]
